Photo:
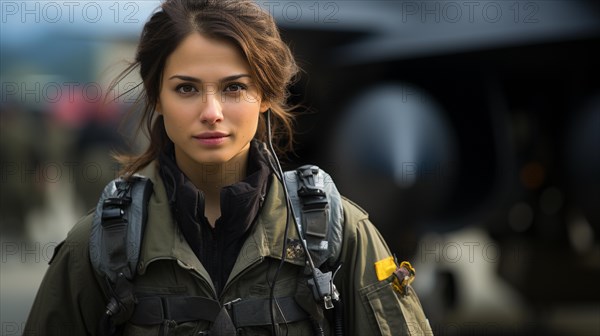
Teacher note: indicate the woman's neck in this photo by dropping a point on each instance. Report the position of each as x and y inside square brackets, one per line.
[212, 177]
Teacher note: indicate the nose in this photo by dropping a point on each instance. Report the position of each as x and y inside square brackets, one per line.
[212, 110]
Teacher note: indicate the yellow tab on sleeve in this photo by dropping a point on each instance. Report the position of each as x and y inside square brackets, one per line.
[384, 268]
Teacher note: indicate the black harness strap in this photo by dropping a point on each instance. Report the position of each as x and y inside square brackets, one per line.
[114, 247]
[255, 312]
[154, 310]
[115, 242]
[315, 206]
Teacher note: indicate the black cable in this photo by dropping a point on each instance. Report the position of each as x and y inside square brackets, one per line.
[338, 308]
[339, 318]
[269, 283]
[289, 209]
[280, 176]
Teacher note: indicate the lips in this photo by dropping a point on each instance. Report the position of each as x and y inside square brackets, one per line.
[211, 138]
[211, 135]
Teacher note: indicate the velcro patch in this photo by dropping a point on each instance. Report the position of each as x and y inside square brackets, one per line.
[384, 268]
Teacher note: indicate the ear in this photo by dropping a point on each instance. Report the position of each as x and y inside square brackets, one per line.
[264, 106]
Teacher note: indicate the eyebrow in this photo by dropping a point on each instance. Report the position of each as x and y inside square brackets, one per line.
[197, 80]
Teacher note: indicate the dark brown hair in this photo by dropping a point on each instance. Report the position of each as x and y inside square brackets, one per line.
[251, 29]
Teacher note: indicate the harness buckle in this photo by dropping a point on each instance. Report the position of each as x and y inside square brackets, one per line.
[315, 206]
[113, 208]
[323, 288]
[228, 305]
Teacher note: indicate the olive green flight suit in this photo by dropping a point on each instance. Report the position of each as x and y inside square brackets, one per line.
[71, 299]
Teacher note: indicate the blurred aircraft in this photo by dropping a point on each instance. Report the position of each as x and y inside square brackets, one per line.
[461, 126]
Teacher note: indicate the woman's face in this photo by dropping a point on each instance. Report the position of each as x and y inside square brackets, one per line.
[209, 102]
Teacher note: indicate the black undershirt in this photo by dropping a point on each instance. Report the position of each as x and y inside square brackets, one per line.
[217, 248]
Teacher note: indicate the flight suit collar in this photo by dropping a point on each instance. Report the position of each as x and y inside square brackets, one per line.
[267, 237]
[163, 240]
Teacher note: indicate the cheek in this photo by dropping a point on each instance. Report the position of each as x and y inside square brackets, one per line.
[174, 123]
[170, 129]
[247, 120]
[175, 115]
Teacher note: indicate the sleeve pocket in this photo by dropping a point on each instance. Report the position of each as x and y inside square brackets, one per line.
[394, 313]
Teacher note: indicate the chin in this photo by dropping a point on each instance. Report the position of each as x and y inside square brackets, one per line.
[212, 159]
[216, 157]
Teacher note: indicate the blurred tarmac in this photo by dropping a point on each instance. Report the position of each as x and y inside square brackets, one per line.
[24, 261]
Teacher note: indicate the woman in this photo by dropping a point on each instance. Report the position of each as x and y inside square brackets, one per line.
[218, 256]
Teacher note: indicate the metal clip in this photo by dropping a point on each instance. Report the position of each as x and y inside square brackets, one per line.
[328, 302]
[323, 288]
[227, 305]
[404, 276]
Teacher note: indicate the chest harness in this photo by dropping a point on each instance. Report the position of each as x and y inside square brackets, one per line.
[116, 237]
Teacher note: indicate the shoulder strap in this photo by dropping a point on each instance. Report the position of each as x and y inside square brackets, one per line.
[318, 209]
[115, 240]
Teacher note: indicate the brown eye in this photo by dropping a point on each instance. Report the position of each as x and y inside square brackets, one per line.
[186, 89]
[235, 87]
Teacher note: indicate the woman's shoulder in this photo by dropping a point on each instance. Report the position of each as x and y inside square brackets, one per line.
[353, 213]
[80, 232]
[78, 238]
[358, 228]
